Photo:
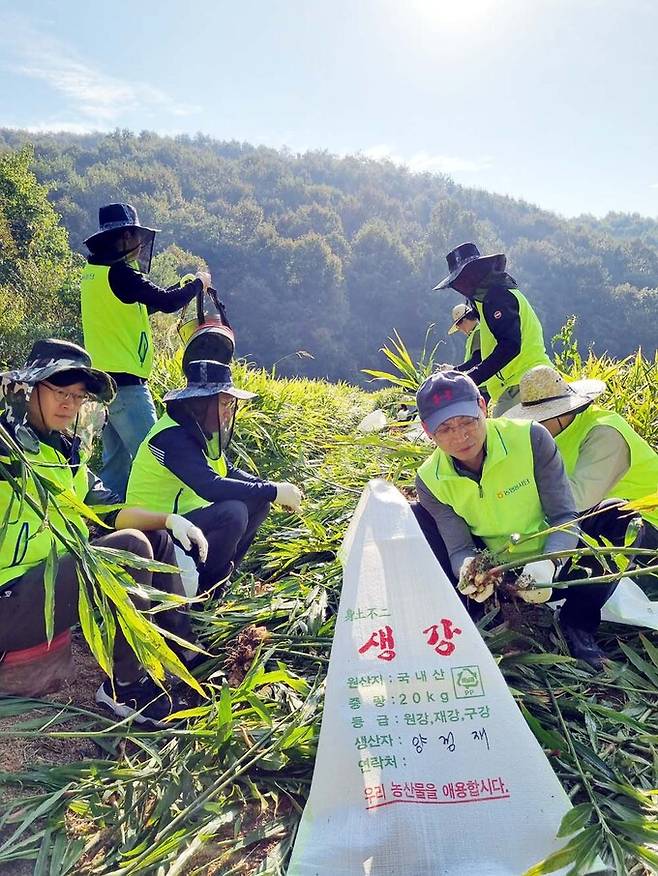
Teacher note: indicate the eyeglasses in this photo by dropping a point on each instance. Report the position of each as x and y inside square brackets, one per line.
[62, 396]
[456, 426]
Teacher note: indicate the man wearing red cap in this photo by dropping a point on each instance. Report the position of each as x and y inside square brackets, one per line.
[491, 478]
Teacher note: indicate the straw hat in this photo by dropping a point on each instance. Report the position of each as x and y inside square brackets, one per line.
[546, 394]
[459, 312]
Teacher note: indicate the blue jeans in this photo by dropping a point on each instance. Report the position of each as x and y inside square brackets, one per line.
[130, 417]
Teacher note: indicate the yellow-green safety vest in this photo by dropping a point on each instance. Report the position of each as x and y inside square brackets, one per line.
[506, 499]
[153, 486]
[27, 542]
[532, 352]
[470, 342]
[116, 335]
[640, 480]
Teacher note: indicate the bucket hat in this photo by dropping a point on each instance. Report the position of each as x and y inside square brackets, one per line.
[51, 356]
[546, 394]
[206, 378]
[466, 254]
[112, 217]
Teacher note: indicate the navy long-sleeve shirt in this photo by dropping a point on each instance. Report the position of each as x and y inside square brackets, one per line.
[132, 287]
[181, 451]
[500, 311]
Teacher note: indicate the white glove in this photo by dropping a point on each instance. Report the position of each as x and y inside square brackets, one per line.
[464, 579]
[540, 572]
[205, 278]
[289, 496]
[187, 534]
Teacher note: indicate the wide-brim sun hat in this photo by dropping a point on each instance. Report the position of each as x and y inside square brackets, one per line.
[114, 217]
[51, 356]
[460, 312]
[467, 254]
[546, 394]
[206, 378]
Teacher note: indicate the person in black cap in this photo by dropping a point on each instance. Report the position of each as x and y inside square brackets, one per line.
[182, 467]
[511, 336]
[44, 403]
[116, 300]
[491, 478]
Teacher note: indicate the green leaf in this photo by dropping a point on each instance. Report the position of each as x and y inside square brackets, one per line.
[224, 714]
[618, 856]
[640, 663]
[90, 629]
[575, 819]
[651, 649]
[49, 579]
[547, 738]
[566, 855]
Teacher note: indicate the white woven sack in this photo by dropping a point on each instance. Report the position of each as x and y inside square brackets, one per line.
[630, 605]
[425, 765]
[188, 572]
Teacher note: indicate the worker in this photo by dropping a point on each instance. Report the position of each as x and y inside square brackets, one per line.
[465, 319]
[603, 455]
[182, 467]
[511, 336]
[116, 300]
[491, 478]
[43, 402]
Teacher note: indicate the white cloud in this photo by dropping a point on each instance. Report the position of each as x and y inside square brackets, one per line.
[54, 125]
[423, 162]
[103, 100]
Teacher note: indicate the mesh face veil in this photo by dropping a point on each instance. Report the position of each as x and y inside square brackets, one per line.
[227, 407]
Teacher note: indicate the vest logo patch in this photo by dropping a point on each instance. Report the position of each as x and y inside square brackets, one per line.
[509, 491]
[497, 314]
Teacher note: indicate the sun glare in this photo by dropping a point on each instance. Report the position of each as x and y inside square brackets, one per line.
[452, 16]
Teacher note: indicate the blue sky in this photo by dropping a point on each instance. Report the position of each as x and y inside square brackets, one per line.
[553, 101]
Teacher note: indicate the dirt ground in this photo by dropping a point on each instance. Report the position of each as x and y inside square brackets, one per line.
[19, 753]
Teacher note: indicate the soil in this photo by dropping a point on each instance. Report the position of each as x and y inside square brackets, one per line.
[19, 753]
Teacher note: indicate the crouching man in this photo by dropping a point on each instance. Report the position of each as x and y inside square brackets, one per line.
[490, 478]
[42, 406]
[181, 467]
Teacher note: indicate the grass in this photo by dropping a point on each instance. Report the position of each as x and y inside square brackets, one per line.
[223, 792]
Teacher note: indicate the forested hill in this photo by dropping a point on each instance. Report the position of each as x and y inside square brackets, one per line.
[330, 255]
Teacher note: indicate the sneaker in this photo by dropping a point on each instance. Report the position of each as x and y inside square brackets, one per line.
[141, 700]
[582, 645]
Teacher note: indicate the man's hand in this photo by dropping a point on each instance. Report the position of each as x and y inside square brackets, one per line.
[478, 586]
[187, 534]
[289, 496]
[541, 572]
